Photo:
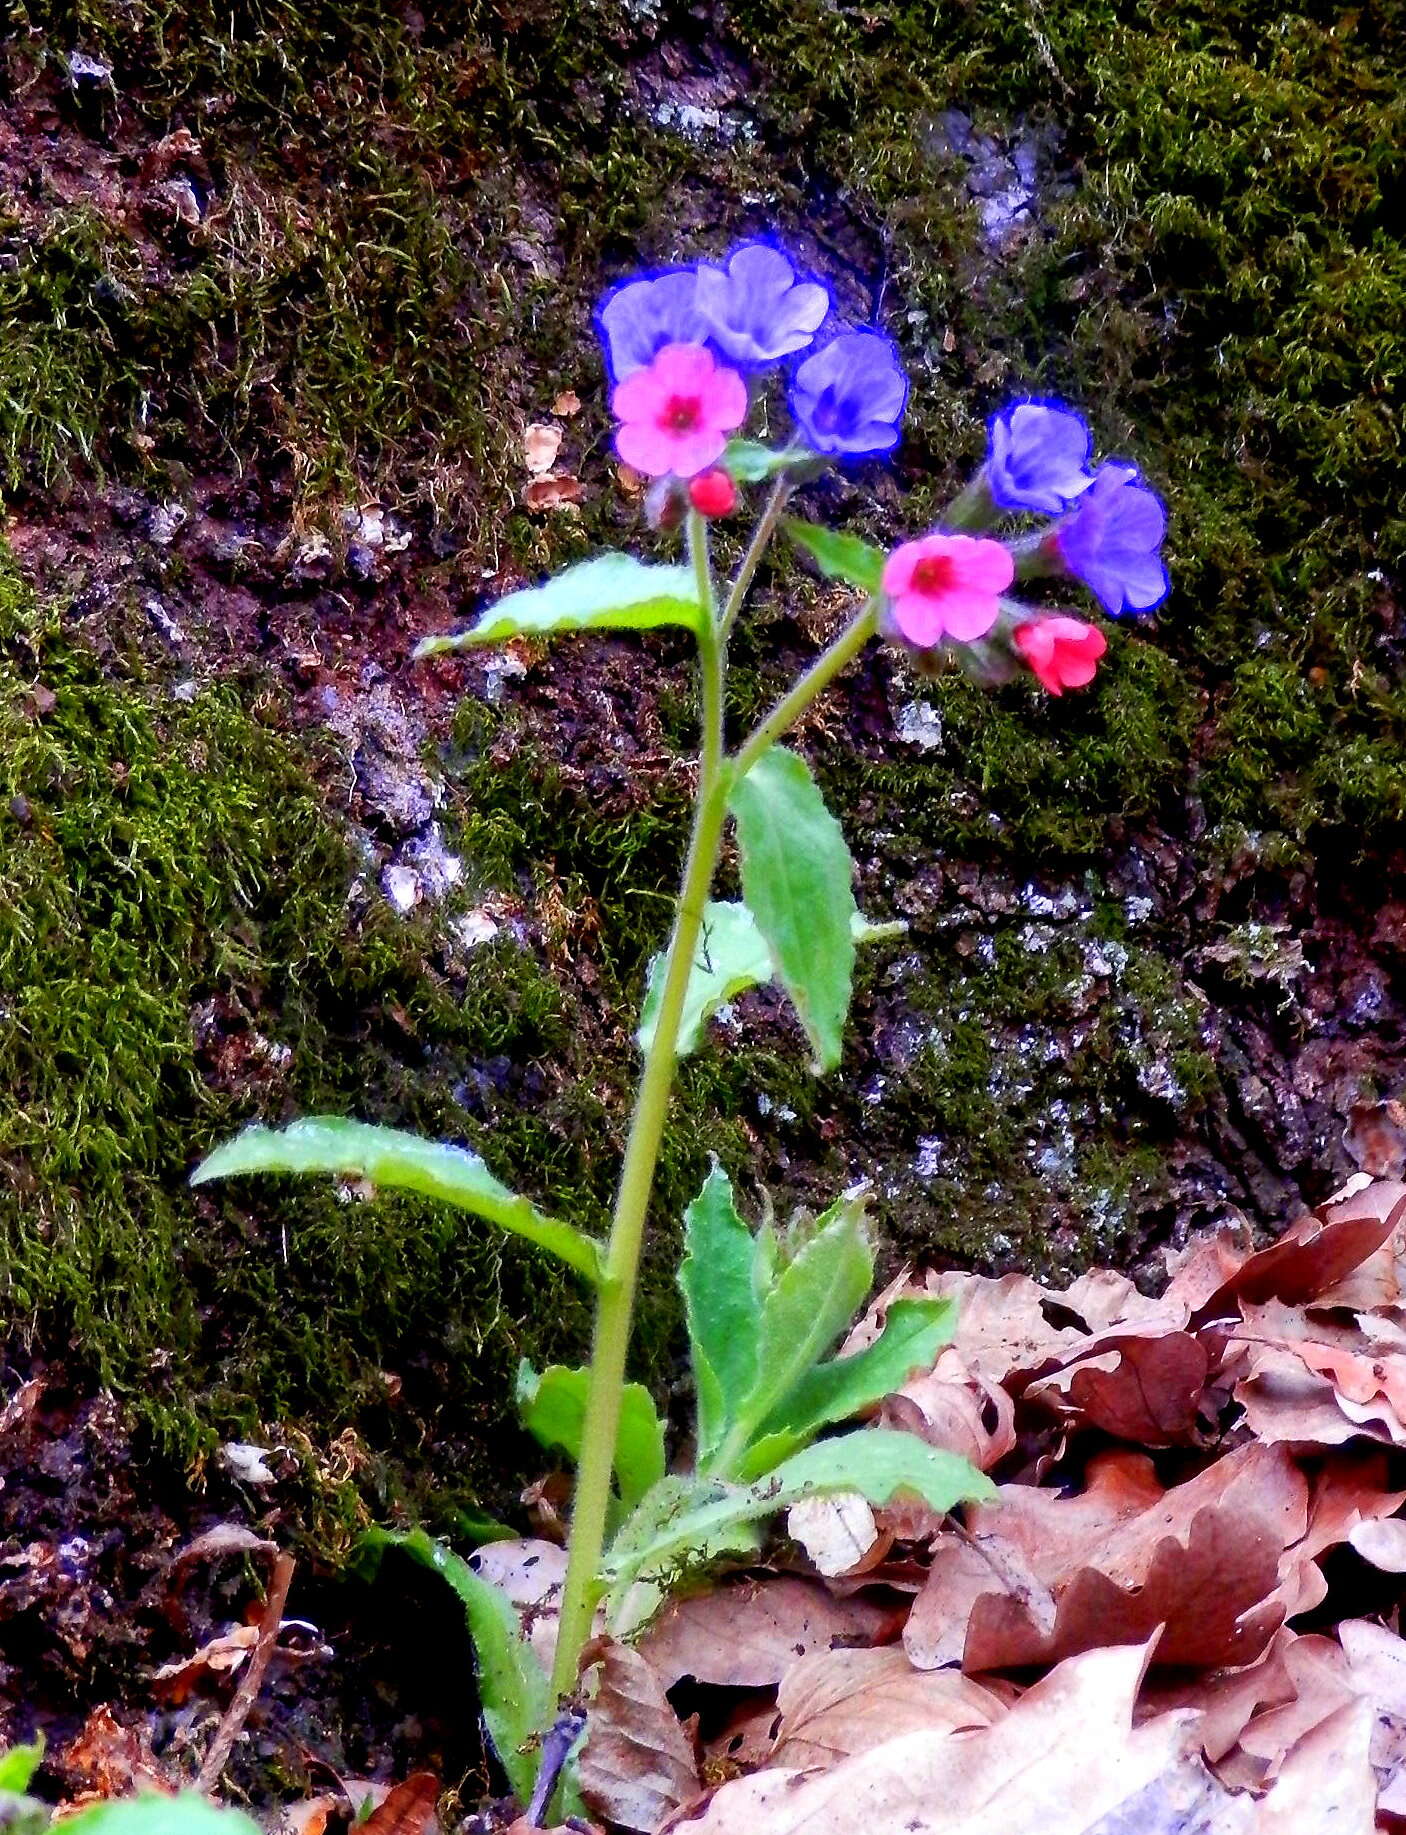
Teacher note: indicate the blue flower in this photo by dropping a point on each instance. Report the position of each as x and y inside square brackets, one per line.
[757, 307]
[848, 398]
[636, 320]
[1038, 457]
[1111, 541]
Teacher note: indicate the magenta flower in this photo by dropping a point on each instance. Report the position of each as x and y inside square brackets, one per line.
[848, 397]
[1112, 540]
[946, 586]
[757, 308]
[635, 321]
[1061, 652]
[1038, 457]
[675, 415]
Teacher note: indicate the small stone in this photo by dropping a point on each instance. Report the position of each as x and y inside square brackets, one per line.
[166, 522]
[247, 1463]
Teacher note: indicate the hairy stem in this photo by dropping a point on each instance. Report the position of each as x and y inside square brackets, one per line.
[816, 679]
[616, 1296]
[756, 548]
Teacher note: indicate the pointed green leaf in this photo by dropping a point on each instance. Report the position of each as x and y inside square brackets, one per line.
[732, 957]
[513, 1686]
[722, 1307]
[404, 1162]
[840, 556]
[811, 1299]
[152, 1814]
[18, 1765]
[749, 462]
[880, 1463]
[796, 880]
[614, 592]
[553, 1410]
[643, 1585]
[913, 1333]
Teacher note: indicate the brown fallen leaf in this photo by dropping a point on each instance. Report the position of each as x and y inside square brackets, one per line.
[1327, 1785]
[748, 1635]
[1318, 1670]
[105, 1759]
[838, 1533]
[840, 1702]
[407, 1809]
[638, 1763]
[553, 492]
[1379, 1281]
[1227, 1699]
[1314, 1378]
[175, 1681]
[1141, 1389]
[1065, 1760]
[1308, 1260]
[567, 404]
[531, 1572]
[954, 1407]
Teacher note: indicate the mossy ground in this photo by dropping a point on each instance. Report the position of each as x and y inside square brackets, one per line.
[405, 220]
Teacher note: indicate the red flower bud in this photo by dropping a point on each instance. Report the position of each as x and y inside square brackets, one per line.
[1061, 652]
[712, 493]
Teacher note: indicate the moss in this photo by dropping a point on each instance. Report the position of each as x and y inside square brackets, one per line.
[158, 855]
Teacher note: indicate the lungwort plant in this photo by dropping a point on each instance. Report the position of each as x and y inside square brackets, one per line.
[691, 352]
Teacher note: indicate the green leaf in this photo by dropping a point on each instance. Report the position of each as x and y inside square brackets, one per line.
[723, 1308]
[913, 1333]
[878, 1462]
[553, 1409]
[405, 1162]
[732, 957]
[811, 1298]
[840, 556]
[154, 1815]
[19, 1764]
[749, 462]
[796, 880]
[513, 1686]
[614, 592]
[643, 1584]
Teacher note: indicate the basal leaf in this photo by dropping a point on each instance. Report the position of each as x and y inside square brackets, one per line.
[513, 1686]
[404, 1162]
[796, 881]
[809, 1298]
[553, 1409]
[18, 1765]
[159, 1815]
[723, 1308]
[840, 556]
[913, 1333]
[879, 1463]
[613, 592]
[732, 957]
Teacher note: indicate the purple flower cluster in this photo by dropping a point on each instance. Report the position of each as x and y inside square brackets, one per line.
[1112, 523]
[753, 310]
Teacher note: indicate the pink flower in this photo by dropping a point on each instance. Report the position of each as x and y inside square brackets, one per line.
[676, 413]
[1062, 652]
[946, 586]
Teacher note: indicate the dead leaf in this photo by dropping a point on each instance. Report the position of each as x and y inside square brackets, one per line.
[1380, 1281]
[531, 1573]
[1145, 1390]
[1382, 1542]
[1375, 1136]
[1063, 1761]
[840, 1702]
[554, 492]
[838, 1533]
[1316, 1379]
[105, 1759]
[567, 404]
[750, 1634]
[220, 1656]
[1226, 1700]
[638, 1764]
[954, 1407]
[1308, 1259]
[407, 1809]
[1327, 1785]
[541, 442]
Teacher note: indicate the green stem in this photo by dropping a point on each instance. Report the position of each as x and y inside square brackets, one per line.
[761, 535]
[615, 1302]
[815, 680]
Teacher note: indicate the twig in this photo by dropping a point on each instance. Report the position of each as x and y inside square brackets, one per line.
[247, 1693]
